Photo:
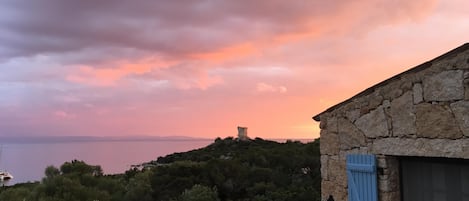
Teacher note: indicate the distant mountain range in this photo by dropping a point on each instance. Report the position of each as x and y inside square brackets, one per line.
[64, 139]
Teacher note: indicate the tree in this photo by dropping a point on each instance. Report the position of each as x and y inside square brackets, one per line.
[200, 193]
[80, 167]
[51, 171]
[15, 194]
[139, 188]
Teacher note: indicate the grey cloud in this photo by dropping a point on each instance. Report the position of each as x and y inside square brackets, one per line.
[168, 28]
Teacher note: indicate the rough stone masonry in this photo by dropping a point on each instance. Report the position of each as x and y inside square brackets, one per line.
[421, 112]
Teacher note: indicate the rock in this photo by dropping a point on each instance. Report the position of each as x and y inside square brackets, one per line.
[466, 96]
[384, 185]
[324, 167]
[349, 135]
[444, 86]
[418, 93]
[332, 125]
[375, 100]
[406, 85]
[373, 124]
[436, 121]
[327, 188]
[391, 90]
[329, 143]
[353, 115]
[336, 171]
[461, 112]
[466, 85]
[393, 173]
[398, 146]
[331, 188]
[386, 103]
[403, 115]
[421, 147]
[329, 138]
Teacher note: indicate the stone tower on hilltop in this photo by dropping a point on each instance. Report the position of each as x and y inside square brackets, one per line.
[243, 133]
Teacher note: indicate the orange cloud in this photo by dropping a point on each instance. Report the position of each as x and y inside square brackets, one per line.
[226, 53]
[110, 74]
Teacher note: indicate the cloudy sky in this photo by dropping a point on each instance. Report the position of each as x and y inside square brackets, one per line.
[201, 68]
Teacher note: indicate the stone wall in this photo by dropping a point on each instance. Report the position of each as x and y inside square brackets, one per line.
[422, 112]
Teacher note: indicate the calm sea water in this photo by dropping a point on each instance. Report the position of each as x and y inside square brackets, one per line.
[27, 162]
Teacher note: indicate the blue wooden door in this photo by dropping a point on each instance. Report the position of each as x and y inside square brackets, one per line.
[361, 174]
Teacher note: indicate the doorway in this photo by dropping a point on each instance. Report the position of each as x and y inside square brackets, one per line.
[434, 179]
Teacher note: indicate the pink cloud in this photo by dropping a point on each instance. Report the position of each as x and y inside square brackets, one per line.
[200, 82]
[263, 87]
[64, 115]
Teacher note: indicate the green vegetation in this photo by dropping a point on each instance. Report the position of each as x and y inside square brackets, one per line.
[228, 169]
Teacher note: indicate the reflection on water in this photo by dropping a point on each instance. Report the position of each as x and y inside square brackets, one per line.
[27, 162]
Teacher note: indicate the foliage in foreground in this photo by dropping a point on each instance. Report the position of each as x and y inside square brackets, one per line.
[227, 169]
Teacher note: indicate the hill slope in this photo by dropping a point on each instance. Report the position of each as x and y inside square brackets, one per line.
[244, 170]
[227, 169]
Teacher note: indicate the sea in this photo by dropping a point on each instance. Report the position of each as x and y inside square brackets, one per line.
[26, 161]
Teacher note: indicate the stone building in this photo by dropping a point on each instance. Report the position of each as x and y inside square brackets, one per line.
[415, 125]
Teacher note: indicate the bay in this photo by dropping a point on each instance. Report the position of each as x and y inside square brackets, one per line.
[27, 161]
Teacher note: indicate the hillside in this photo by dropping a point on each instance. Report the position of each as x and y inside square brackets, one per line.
[227, 169]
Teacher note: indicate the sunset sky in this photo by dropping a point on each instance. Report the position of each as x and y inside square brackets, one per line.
[201, 68]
